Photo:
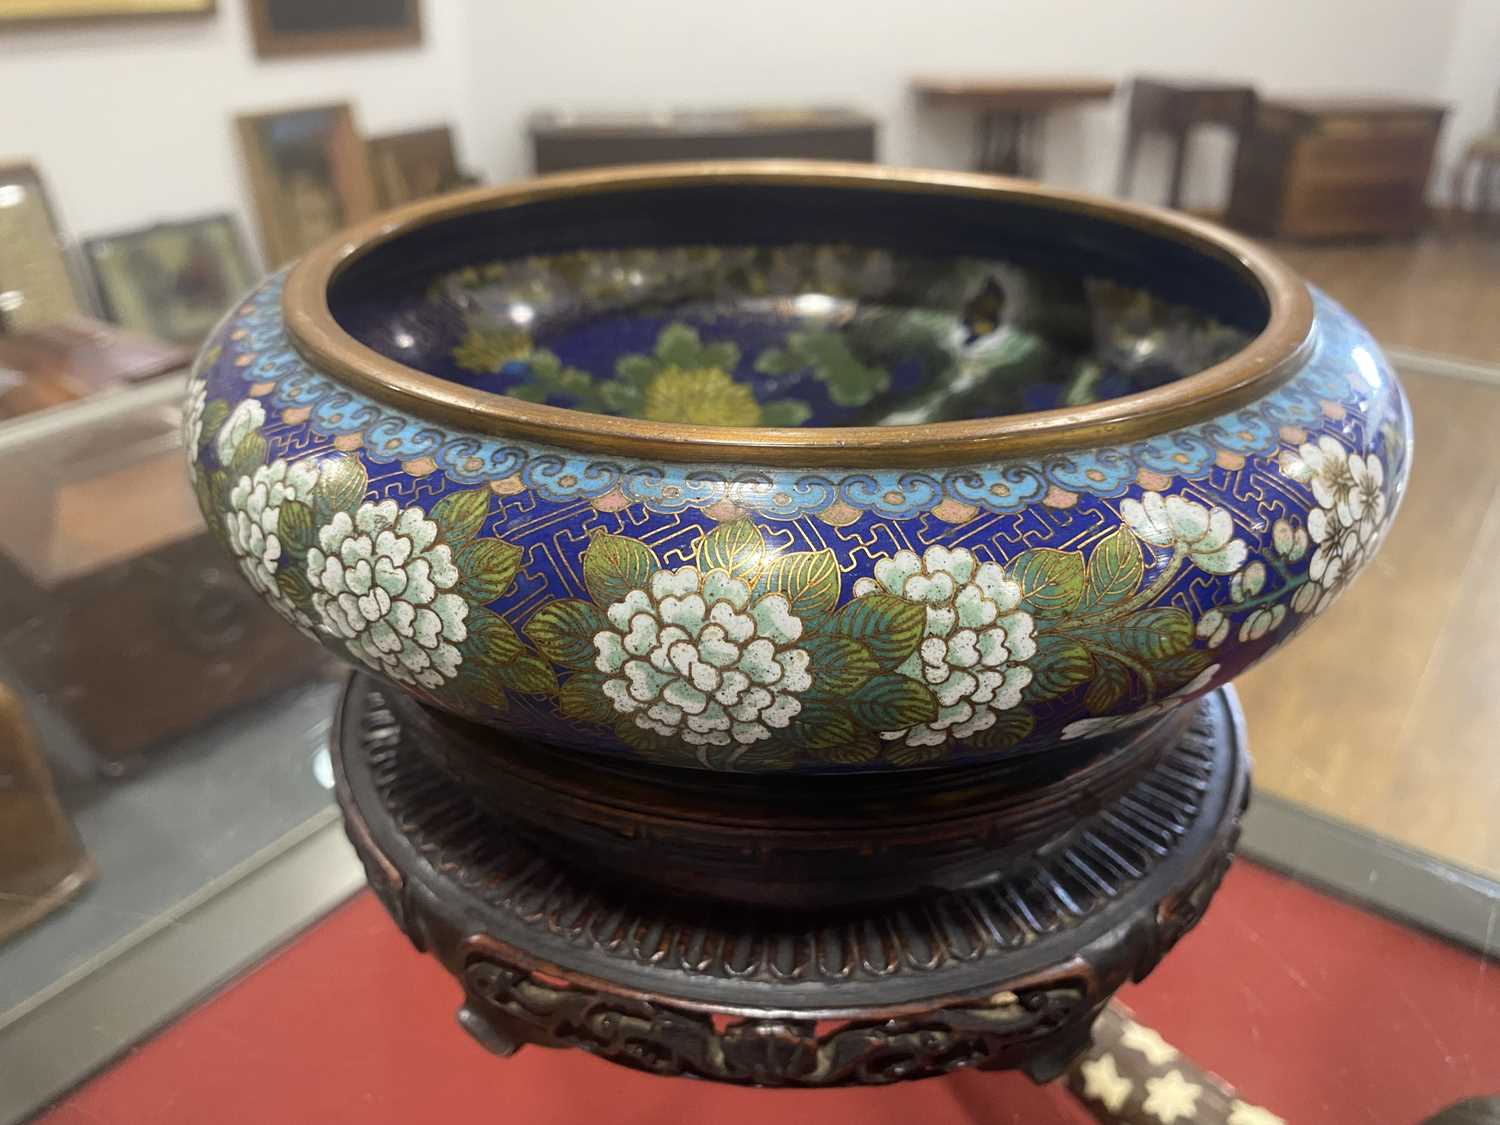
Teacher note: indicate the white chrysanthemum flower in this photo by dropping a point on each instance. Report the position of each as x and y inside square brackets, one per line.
[243, 420]
[382, 582]
[252, 526]
[1108, 724]
[976, 638]
[192, 423]
[1206, 534]
[691, 657]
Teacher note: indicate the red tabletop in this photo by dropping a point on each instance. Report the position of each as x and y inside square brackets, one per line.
[1313, 1008]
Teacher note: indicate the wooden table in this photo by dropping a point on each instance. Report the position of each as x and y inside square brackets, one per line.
[562, 141]
[1010, 114]
[1176, 107]
[1336, 167]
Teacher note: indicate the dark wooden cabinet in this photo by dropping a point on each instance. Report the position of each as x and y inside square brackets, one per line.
[563, 141]
[1335, 167]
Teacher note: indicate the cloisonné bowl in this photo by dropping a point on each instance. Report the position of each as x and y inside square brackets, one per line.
[795, 466]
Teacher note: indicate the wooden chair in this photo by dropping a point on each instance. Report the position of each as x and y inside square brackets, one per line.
[1483, 153]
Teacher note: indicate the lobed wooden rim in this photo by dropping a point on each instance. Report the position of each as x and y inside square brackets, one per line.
[1271, 358]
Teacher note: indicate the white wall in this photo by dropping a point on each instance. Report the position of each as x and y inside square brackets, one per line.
[1472, 86]
[131, 123]
[663, 53]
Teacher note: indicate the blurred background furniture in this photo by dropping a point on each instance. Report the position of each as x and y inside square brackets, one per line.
[561, 140]
[1010, 114]
[74, 358]
[1481, 154]
[42, 861]
[1336, 167]
[116, 592]
[1176, 107]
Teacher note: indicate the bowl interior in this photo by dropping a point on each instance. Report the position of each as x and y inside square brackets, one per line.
[790, 304]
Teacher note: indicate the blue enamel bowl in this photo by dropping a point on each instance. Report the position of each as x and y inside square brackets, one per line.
[795, 466]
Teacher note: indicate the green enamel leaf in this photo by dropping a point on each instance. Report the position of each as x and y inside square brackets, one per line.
[460, 515]
[296, 528]
[491, 642]
[862, 746]
[849, 382]
[648, 743]
[678, 346]
[838, 664]
[214, 416]
[248, 456]
[809, 580]
[1107, 687]
[890, 628]
[613, 565]
[529, 674]
[582, 699]
[623, 398]
[785, 412]
[1008, 730]
[1114, 570]
[341, 486]
[736, 547]
[1059, 664]
[486, 568]
[1148, 636]
[893, 702]
[1176, 671]
[1051, 581]
[483, 690]
[903, 754]
[293, 585]
[564, 632]
[636, 370]
[824, 726]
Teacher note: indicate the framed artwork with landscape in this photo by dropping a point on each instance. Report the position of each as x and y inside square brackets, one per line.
[173, 280]
[308, 27]
[309, 174]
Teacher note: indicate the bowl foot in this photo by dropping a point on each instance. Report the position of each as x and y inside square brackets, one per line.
[1006, 971]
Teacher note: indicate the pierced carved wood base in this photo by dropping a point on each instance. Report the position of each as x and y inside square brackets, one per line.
[1008, 971]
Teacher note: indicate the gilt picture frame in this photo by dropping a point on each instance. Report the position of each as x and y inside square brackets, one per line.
[308, 27]
[309, 174]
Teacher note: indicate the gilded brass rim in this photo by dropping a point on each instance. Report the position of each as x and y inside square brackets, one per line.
[1271, 358]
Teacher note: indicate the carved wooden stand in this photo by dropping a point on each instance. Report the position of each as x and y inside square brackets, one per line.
[1010, 969]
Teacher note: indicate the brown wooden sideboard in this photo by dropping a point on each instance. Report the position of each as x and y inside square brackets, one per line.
[1335, 167]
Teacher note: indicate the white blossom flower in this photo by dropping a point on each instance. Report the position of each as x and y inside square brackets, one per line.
[383, 583]
[691, 657]
[1205, 534]
[1171, 1098]
[1261, 622]
[1346, 524]
[252, 526]
[975, 642]
[1213, 628]
[243, 420]
[1109, 724]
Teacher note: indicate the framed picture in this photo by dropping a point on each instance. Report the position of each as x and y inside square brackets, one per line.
[22, 13]
[307, 27]
[38, 285]
[309, 173]
[415, 165]
[172, 281]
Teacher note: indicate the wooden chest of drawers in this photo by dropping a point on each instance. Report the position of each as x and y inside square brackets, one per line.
[1330, 168]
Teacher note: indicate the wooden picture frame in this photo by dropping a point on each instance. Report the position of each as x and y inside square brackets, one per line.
[39, 284]
[41, 13]
[309, 27]
[415, 164]
[309, 174]
[171, 281]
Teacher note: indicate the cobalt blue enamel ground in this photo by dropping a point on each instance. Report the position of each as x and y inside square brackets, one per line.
[757, 618]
